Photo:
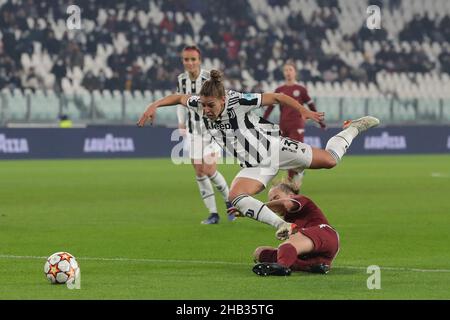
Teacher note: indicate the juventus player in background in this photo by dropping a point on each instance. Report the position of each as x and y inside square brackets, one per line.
[292, 124]
[203, 151]
[231, 122]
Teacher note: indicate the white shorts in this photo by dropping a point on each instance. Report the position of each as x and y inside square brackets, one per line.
[200, 146]
[293, 155]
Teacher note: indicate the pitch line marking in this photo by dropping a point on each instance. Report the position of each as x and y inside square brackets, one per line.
[5, 256]
[440, 175]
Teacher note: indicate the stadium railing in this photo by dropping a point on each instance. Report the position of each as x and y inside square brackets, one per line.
[18, 107]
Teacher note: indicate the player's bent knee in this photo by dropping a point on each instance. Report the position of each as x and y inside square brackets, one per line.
[257, 253]
[199, 171]
[327, 162]
[330, 163]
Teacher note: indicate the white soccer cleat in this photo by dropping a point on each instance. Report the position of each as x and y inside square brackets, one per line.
[362, 124]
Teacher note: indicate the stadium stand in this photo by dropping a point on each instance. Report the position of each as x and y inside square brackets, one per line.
[128, 51]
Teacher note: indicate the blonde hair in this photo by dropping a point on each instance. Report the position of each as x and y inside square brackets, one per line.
[286, 186]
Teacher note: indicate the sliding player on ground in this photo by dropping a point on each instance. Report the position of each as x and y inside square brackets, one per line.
[311, 249]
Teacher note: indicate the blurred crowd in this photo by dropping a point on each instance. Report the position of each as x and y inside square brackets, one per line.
[230, 33]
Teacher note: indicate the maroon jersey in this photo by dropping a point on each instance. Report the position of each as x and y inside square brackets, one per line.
[290, 119]
[308, 215]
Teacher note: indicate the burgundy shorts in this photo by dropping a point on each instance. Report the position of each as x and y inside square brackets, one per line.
[326, 246]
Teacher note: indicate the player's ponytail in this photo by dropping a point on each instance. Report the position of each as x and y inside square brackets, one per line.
[214, 86]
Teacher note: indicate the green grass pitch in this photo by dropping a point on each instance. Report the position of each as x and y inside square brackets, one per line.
[134, 226]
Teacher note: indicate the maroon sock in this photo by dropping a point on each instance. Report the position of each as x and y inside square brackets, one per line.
[287, 255]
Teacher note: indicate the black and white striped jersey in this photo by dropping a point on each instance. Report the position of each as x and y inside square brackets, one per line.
[185, 85]
[238, 130]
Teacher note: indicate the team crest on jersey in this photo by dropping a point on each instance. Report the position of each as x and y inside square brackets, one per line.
[231, 114]
[296, 93]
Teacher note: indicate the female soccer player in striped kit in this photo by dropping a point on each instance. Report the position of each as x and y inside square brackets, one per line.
[203, 151]
[232, 124]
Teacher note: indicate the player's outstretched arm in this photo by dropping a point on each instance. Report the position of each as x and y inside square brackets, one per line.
[169, 100]
[272, 98]
[282, 206]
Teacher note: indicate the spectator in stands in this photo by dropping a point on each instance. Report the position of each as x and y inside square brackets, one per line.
[444, 59]
[230, 33]
[31, 80]
[59, 70]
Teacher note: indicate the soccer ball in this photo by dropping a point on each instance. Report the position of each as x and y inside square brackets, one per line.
[60, 267]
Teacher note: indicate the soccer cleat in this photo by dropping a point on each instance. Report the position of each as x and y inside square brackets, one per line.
[271, 269]
[212, 219]
[362, 124]
[231, 216]
[320, 268]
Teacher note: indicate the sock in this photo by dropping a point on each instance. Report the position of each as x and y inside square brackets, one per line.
[337, 146]
[287, 255]
[257, 210]
[207, 193]
[298, 178]
[219, 182]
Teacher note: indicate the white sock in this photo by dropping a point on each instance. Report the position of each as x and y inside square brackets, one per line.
[257, 210]
[207, 193]
[337, 146]
[298, 178]
[220, 183]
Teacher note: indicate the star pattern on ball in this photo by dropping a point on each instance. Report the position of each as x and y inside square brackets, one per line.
[71, 273]
[65, 256]
[54, 270]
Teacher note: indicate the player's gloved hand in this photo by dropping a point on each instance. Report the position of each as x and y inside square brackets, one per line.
[285, 230]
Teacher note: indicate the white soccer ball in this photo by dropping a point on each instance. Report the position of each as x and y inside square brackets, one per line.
[60, 267]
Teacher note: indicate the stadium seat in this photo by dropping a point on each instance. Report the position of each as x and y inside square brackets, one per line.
[44, 106]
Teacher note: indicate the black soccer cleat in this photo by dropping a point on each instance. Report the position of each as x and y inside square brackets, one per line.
[320, 268]
[271, 269]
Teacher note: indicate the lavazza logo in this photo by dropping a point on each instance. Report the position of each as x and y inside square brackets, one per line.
[109, 144]
[385, 141]
[13, 145]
